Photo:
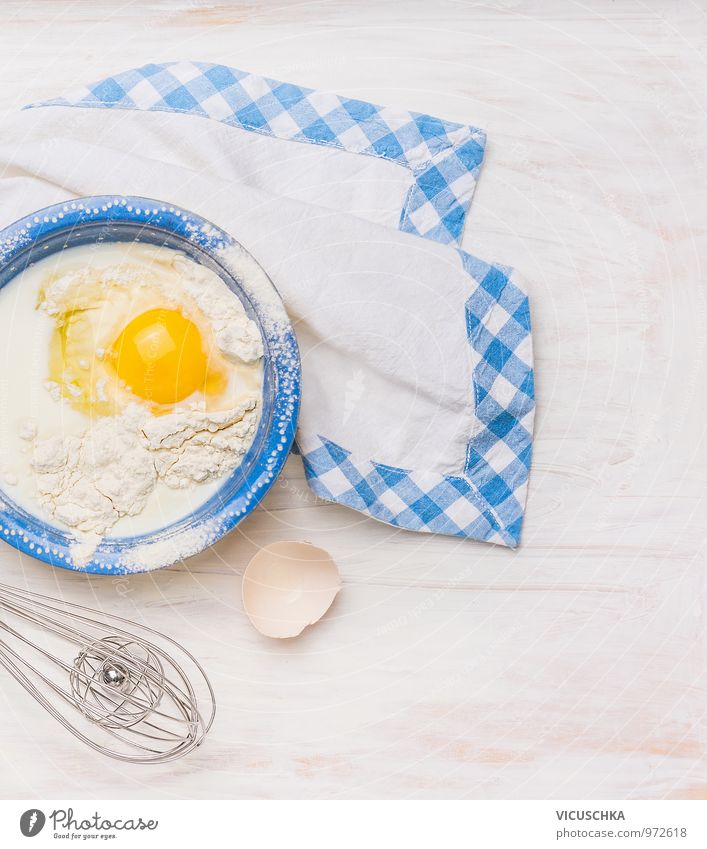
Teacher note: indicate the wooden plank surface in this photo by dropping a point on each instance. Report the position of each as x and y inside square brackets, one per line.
[574, 667]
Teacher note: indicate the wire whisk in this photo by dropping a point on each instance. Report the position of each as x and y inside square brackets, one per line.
[123, 689]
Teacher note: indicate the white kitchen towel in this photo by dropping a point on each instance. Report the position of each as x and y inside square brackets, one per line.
[417, 403]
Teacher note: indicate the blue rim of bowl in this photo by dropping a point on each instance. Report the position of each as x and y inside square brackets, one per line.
[104, 218]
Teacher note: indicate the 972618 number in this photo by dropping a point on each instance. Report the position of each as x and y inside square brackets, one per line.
[670, 831]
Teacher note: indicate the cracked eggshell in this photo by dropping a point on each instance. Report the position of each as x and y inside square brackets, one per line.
[288, 586]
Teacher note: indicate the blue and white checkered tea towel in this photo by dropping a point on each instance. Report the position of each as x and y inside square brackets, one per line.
[417, 401]
[416, 172]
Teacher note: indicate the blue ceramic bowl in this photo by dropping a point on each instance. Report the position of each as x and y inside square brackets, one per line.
[127, 219]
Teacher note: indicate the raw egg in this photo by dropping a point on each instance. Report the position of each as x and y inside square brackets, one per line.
[160, 357]
[113, 346]
[288, 586]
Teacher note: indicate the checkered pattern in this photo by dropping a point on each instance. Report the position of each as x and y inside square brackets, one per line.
[486, 500]
[444, 157]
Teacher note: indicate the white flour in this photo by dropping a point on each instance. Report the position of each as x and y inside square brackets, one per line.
[90, 482]
[236, 335]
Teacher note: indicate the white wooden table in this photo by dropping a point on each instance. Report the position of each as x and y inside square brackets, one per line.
[574, 667]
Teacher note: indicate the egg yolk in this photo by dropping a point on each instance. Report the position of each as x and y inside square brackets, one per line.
[159, 355]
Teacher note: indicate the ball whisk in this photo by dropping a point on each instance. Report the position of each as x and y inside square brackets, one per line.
[123, 689]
